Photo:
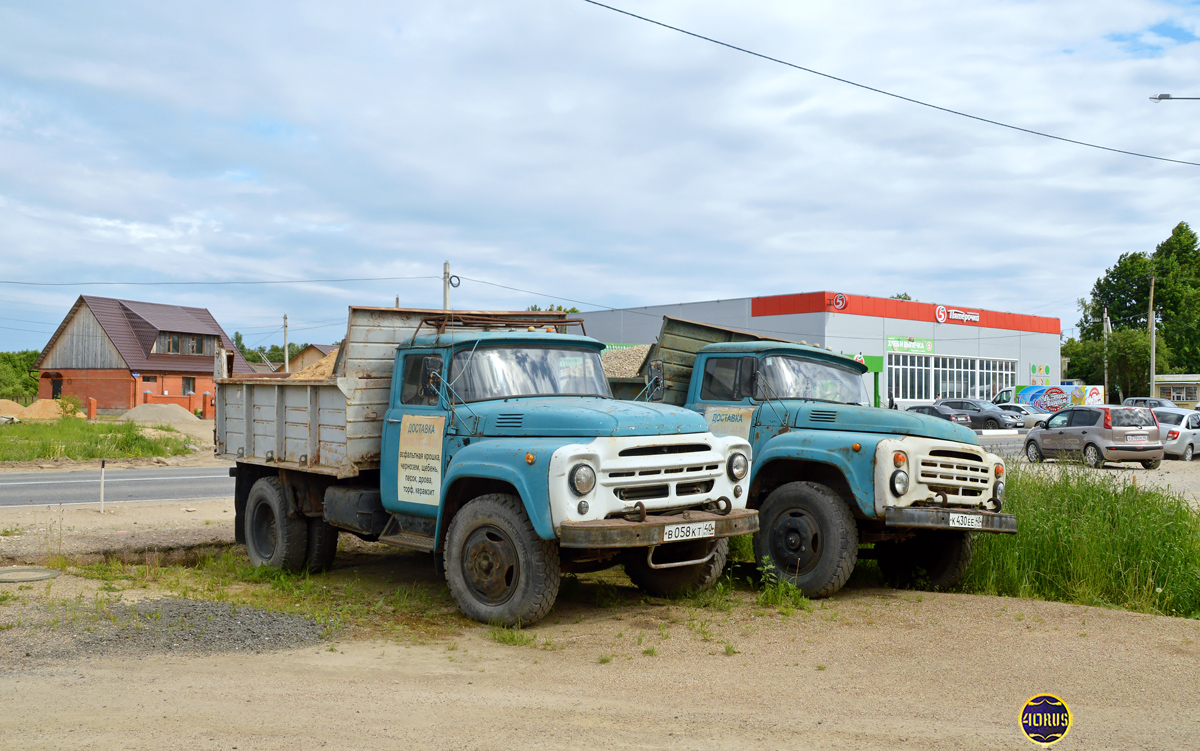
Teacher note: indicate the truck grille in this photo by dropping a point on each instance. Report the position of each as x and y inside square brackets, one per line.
[666, 471]
[954, 473]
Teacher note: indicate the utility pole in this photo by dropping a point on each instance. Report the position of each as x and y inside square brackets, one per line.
[446, 285]
[286, 369]
[1152, 329]
[1107, 331]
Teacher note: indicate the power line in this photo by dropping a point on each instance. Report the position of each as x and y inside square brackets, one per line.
[217, 283]
[888, 93]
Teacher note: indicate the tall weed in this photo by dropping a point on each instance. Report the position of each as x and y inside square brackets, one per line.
[1088, 537]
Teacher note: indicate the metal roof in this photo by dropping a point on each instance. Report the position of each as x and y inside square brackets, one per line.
[132, 326]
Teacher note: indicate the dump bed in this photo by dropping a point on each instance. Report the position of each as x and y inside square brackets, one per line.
[679, 341]
[333, 426]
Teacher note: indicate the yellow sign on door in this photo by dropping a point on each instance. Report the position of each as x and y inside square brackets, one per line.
[419, 477]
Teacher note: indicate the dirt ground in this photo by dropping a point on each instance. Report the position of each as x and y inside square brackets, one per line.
[869, 668]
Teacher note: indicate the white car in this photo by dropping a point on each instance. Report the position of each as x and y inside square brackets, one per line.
[1031, 414]
[1180, 429]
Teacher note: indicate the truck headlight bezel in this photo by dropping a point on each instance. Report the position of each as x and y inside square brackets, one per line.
[737, 470]
[582, 479]
[899, 483]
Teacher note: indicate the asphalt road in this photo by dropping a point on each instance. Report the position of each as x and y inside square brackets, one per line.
[120, 486]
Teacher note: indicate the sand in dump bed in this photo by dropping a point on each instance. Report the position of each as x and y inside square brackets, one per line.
[44, 409]
[321, 370]
[158, 413]
[625, 362]
[9, 408]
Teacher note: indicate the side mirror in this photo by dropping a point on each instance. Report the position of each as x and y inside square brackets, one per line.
[654, 381]
[1040, 424]
[431, 375]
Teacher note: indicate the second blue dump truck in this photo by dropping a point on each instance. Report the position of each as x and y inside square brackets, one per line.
[493, 442]
[831, 473]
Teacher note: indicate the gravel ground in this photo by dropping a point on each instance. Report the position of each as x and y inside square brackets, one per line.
[624, 362]
[40, 634]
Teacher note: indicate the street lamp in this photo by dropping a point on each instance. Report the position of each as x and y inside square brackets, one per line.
[1162, 97]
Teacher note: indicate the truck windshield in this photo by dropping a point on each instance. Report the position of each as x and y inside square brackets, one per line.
[795, 378]
[502, 372]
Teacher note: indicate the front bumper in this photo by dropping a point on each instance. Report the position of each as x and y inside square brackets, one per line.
[923, 517]
[623, 533]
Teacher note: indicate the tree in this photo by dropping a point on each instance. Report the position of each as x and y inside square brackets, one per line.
[552, 309]
[900, 296]
[15, 378]
[1128, 361]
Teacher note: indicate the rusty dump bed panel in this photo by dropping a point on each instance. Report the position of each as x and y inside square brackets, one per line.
[679, 341]
[334, 426]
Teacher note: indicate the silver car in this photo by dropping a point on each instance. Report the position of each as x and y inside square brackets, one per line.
[1182, 427]
[1031, 413]
[1098, 435]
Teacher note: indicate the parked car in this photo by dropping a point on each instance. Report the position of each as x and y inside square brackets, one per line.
[1148, 401]
[1098, 435]
[1182, 428]
[983, 413]
[937, 410]
[1030, 413]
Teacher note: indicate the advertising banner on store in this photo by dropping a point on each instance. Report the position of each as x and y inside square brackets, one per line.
[910, 345]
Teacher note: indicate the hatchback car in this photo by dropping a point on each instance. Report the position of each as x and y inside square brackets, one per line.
[1030, 413]
[1099, 435]
[938, 410]
[1182, 428]
[983, 414]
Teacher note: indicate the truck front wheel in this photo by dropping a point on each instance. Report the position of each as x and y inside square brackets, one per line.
[680, 580]
[808, 537]
[931, 559]
[272, 537]
[497, 567]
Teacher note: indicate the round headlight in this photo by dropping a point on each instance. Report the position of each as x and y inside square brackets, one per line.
[899, 482]
[737, 466]
[1000, 490]
[582, 479]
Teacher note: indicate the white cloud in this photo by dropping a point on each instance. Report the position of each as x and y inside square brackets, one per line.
[562, 148]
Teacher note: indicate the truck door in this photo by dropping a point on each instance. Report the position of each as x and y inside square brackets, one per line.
[725, 384]
[414, 441]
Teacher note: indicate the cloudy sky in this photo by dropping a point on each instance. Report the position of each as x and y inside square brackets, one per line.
[580, 155]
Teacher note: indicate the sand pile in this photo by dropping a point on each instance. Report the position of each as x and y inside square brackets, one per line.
[9, 408]
[45, 409]
[625, 362]
[321, 370]
[158, 413]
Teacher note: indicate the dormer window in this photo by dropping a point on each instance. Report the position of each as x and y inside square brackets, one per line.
[184, 344]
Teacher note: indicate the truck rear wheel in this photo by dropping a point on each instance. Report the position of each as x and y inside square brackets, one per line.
[683, 580]
[931, 559]
[808, 537]
[322, 546]
[272, 537]
[497, 567]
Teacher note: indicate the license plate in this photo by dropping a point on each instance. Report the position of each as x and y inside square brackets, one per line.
[966, 521]
[693, 531]
[1135, 438]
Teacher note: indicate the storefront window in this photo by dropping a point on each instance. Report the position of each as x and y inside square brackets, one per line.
[927, 377]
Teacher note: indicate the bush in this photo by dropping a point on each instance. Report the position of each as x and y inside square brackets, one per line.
[1087, 537]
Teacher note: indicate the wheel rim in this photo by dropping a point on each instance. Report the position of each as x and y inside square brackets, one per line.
[1187, 454]
[491, 566]
[796, 542]
[264, 530]
[1032, 452]
[1092, 455]
[990, 425]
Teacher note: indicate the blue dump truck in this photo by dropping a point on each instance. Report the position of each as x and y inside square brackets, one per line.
[490, 440]
[831, 473]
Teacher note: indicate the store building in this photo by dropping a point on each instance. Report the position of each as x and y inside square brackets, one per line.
[923, 351]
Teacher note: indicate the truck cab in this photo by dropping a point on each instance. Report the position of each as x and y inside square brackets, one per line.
[831, 472]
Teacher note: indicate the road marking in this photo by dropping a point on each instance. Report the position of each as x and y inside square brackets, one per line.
[107, 480]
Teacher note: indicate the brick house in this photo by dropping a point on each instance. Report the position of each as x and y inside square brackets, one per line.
[124, 353]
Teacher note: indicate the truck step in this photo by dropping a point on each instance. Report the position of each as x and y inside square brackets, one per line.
[418, 536]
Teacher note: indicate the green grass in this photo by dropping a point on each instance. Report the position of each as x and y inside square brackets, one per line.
[513, 637]
[1087, 537]
[75, 438]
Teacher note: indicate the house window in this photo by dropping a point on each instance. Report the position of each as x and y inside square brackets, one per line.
[149, 379]
[189, 385]
[173, 344]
